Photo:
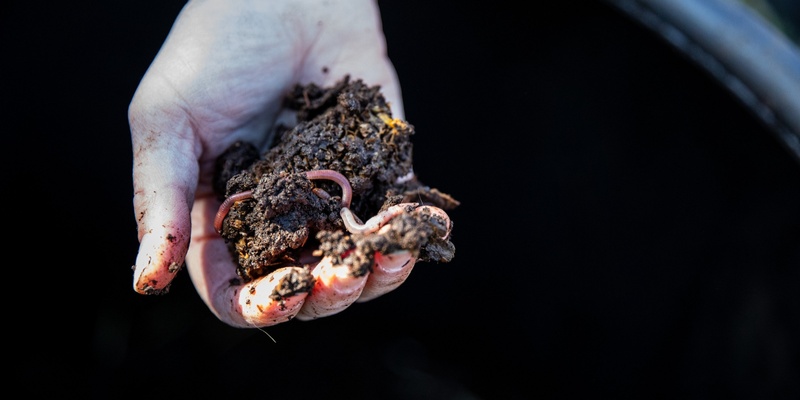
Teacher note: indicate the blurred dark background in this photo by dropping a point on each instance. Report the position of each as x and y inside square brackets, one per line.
[649, 222]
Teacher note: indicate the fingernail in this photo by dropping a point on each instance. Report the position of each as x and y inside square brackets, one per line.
[393, 262]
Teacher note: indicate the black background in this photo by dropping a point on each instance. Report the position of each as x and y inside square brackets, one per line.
[650, 224]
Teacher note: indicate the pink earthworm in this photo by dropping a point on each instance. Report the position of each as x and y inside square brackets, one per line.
[329, 174]
[321, 193]
[347, 194]
[351, 222]
[379, 220]
[226, 206]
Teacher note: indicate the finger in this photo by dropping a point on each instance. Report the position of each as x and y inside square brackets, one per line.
[265, 301]
[335, 289]
[164, 229]
[164, 180]
[388, 272]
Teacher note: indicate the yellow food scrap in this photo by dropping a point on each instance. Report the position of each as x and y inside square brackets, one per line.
[392, 123]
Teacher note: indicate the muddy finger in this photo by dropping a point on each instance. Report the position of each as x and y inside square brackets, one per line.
[270, 300]
[335, 289]
[161, 256]
[388, 272]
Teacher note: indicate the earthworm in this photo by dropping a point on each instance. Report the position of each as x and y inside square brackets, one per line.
[379, 220]
[226, 206]
[374, 223]
[347, 194]
[347, 190]
[321, 193]
[351, 222]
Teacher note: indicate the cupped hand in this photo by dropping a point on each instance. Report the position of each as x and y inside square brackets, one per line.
[220, 77]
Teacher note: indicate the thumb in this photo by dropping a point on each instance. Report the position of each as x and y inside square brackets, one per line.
[165, 174]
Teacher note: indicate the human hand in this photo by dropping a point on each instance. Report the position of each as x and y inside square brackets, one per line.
[219, 78]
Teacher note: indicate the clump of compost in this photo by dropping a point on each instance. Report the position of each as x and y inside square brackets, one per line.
[289, 220]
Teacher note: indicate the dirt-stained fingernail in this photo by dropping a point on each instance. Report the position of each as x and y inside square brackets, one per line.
[392, 263]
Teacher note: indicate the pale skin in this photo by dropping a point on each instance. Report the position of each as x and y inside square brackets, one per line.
[220, 77]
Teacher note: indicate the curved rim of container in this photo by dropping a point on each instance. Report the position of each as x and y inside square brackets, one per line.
[742, 50]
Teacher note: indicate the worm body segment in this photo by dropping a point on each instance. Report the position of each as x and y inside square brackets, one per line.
[329, 174]
[226, 206]
[383, 217]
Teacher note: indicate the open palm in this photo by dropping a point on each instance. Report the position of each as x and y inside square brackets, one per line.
[220, 77]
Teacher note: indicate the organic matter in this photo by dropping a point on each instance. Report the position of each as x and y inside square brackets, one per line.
[347, 156]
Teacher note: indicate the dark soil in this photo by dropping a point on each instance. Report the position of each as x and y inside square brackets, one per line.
[348, 128]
